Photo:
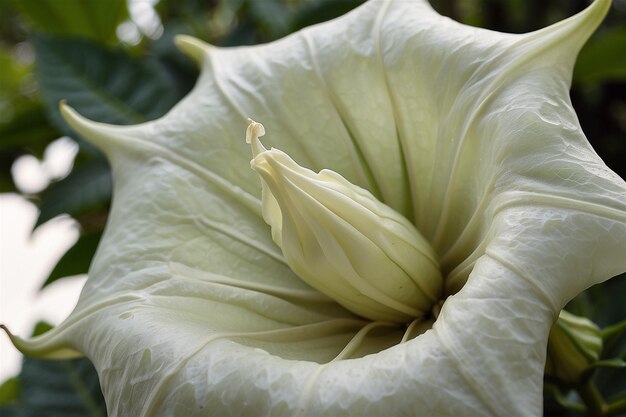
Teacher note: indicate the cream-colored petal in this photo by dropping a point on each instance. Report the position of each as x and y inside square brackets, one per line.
[190, 309]
[338, 238]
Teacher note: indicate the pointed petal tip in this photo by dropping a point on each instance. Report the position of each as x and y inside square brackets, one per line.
[192, 47]
[102, 135]
[46, 346]
[80, 124]
[578, 28]
[560, 43]
[68, 111]
[605, 4]
[598, 9]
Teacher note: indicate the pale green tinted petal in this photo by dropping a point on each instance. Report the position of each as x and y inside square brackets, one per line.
[190, 309]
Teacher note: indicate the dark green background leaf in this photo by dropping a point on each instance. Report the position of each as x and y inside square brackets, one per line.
[24, 127]
[77, 259]
[89, 19]
[86, 188]
[58, 388]
[604, 305]
[603, 58]
[104, 85]
[599, 304]
[10, 411]
[28, 129]
[9, 391]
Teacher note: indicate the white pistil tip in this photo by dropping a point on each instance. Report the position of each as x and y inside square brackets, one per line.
[255, 130]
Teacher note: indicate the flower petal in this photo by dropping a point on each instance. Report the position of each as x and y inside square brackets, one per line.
[190, 308]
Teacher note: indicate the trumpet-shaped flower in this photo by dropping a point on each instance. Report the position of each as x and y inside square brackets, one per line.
[192, 309]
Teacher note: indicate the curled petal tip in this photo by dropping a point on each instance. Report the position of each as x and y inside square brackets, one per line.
[253, 133]
[255, 130]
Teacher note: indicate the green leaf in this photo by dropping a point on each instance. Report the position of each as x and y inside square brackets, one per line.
[9, 391]
[612, 334]
[603, 304]
[270, 15]
[64, 388]
[6, 178]
[86, 188]
[12, 75]
[553, 392]
[85, 191]
[321, 10]
[9, 411]
[603, 58]
[24, 127]
[28, 130]
[610, 376]
[615, 363]
[41, 327]
[106, 85]
[178, 66]
[77, 259]
[96, 20]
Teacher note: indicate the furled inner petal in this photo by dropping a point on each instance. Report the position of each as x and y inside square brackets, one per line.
[342, 241]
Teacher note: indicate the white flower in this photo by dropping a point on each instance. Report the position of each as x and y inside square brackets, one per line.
[190, 308]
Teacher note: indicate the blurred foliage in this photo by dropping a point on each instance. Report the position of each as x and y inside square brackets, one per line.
[95, 20]
[115, 61]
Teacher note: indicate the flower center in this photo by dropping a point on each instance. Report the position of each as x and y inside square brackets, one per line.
[342, 241]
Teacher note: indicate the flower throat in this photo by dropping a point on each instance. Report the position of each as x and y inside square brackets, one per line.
[342, 241]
